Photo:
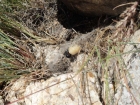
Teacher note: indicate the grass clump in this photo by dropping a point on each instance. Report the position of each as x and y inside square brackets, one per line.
[15, 56]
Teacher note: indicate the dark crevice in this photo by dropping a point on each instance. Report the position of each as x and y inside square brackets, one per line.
[101, 90]
[80, 23]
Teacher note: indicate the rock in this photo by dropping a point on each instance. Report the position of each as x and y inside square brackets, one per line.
[62, 93]
[132, 61]
[98, 7]
[1, 101]
[55, 92]
[131, 47]
[65, 89]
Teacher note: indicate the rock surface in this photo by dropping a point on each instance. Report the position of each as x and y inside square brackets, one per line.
[65, 89]
[132, 61]
[98, 7]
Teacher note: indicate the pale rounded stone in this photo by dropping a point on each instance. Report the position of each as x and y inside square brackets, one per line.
[75, 49]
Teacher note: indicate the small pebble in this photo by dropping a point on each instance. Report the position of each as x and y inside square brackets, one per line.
[73, 50]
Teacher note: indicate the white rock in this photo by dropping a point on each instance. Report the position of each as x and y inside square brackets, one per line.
[64, 89]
